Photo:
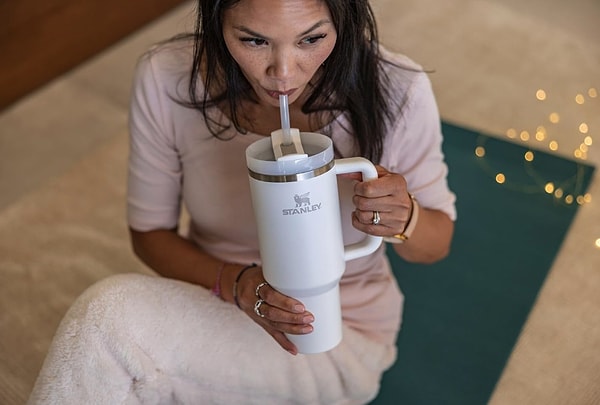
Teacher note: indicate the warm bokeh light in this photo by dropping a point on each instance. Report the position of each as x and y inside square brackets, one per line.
[480, 151]
[540, 95]
[540, 136]
[511, 133]
[529, 156]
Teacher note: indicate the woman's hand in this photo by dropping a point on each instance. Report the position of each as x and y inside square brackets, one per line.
[276, 313]
[384, 207]
[388, 196]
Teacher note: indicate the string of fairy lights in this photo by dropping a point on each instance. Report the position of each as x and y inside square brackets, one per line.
[568, 191]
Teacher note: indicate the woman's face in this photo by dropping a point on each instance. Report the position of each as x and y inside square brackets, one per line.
[279, 45]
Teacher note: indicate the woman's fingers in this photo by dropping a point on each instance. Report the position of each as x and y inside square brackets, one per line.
[274, 310]
[283, 341]
[390, 184]
[277, 299]
[281, 312]
[283, 320]
[383, 205]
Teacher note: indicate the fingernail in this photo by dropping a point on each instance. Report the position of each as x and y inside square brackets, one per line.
[299, 308]
[308, 319]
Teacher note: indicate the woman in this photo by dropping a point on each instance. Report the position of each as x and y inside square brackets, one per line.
[198, 102]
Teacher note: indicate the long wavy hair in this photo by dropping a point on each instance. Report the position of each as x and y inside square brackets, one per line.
[352, 80]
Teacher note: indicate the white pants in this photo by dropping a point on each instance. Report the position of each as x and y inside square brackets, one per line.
[136, 339]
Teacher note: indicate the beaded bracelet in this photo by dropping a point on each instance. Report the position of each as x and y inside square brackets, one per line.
[216, 290]
[235, 283]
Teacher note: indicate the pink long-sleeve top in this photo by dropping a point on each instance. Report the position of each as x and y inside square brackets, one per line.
[175, 159]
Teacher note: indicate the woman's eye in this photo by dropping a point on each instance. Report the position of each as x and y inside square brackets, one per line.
[254, 41]
[313, 39]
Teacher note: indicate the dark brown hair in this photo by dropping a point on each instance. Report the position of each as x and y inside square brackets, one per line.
[352, 82]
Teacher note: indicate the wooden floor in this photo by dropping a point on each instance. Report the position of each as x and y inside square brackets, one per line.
[41, 40]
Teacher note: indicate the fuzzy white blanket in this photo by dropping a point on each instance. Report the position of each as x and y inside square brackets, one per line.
[138, 339]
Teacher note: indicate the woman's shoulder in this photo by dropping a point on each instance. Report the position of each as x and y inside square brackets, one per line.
[406, 80]
[400, 69]
[172, 57]
[398, 60]
[166, 67]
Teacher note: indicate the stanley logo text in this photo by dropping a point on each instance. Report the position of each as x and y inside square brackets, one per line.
[303, 205]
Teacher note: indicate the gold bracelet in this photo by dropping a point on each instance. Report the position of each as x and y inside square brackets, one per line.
[410, 225]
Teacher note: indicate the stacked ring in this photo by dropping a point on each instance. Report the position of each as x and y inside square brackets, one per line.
[258, 287]
[257, 307]
[376, 218]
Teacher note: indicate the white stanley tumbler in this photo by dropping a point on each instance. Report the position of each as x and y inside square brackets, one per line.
[296, 204]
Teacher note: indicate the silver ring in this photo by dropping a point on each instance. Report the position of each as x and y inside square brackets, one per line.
[257, 307]
[258, 287]
[376, 218]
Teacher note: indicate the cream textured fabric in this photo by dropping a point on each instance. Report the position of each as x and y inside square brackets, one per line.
[138, 339]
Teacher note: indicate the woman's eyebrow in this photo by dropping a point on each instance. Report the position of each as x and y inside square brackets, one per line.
[315, 26]
[249, 31]
[258, 35]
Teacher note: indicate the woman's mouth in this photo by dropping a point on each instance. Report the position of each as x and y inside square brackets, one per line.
[276, 93]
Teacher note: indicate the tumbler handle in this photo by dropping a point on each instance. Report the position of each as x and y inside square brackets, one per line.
[353, 165]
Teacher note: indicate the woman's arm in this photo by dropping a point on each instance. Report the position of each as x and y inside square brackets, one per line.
[430, 241]
[173, 256]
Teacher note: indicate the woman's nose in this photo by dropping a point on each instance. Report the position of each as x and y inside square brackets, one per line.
[281, 65]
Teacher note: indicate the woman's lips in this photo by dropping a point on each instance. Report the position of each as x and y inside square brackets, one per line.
[276, 93]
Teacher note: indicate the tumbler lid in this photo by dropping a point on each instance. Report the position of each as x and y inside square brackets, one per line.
[261, 159]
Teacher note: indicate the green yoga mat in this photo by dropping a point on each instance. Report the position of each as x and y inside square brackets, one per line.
[463, 315]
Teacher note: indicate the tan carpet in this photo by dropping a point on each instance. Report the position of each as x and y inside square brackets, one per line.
[71, 232]
[557, 358]
[53, 244]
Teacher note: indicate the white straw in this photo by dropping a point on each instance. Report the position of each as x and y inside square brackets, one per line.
[284, 112]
